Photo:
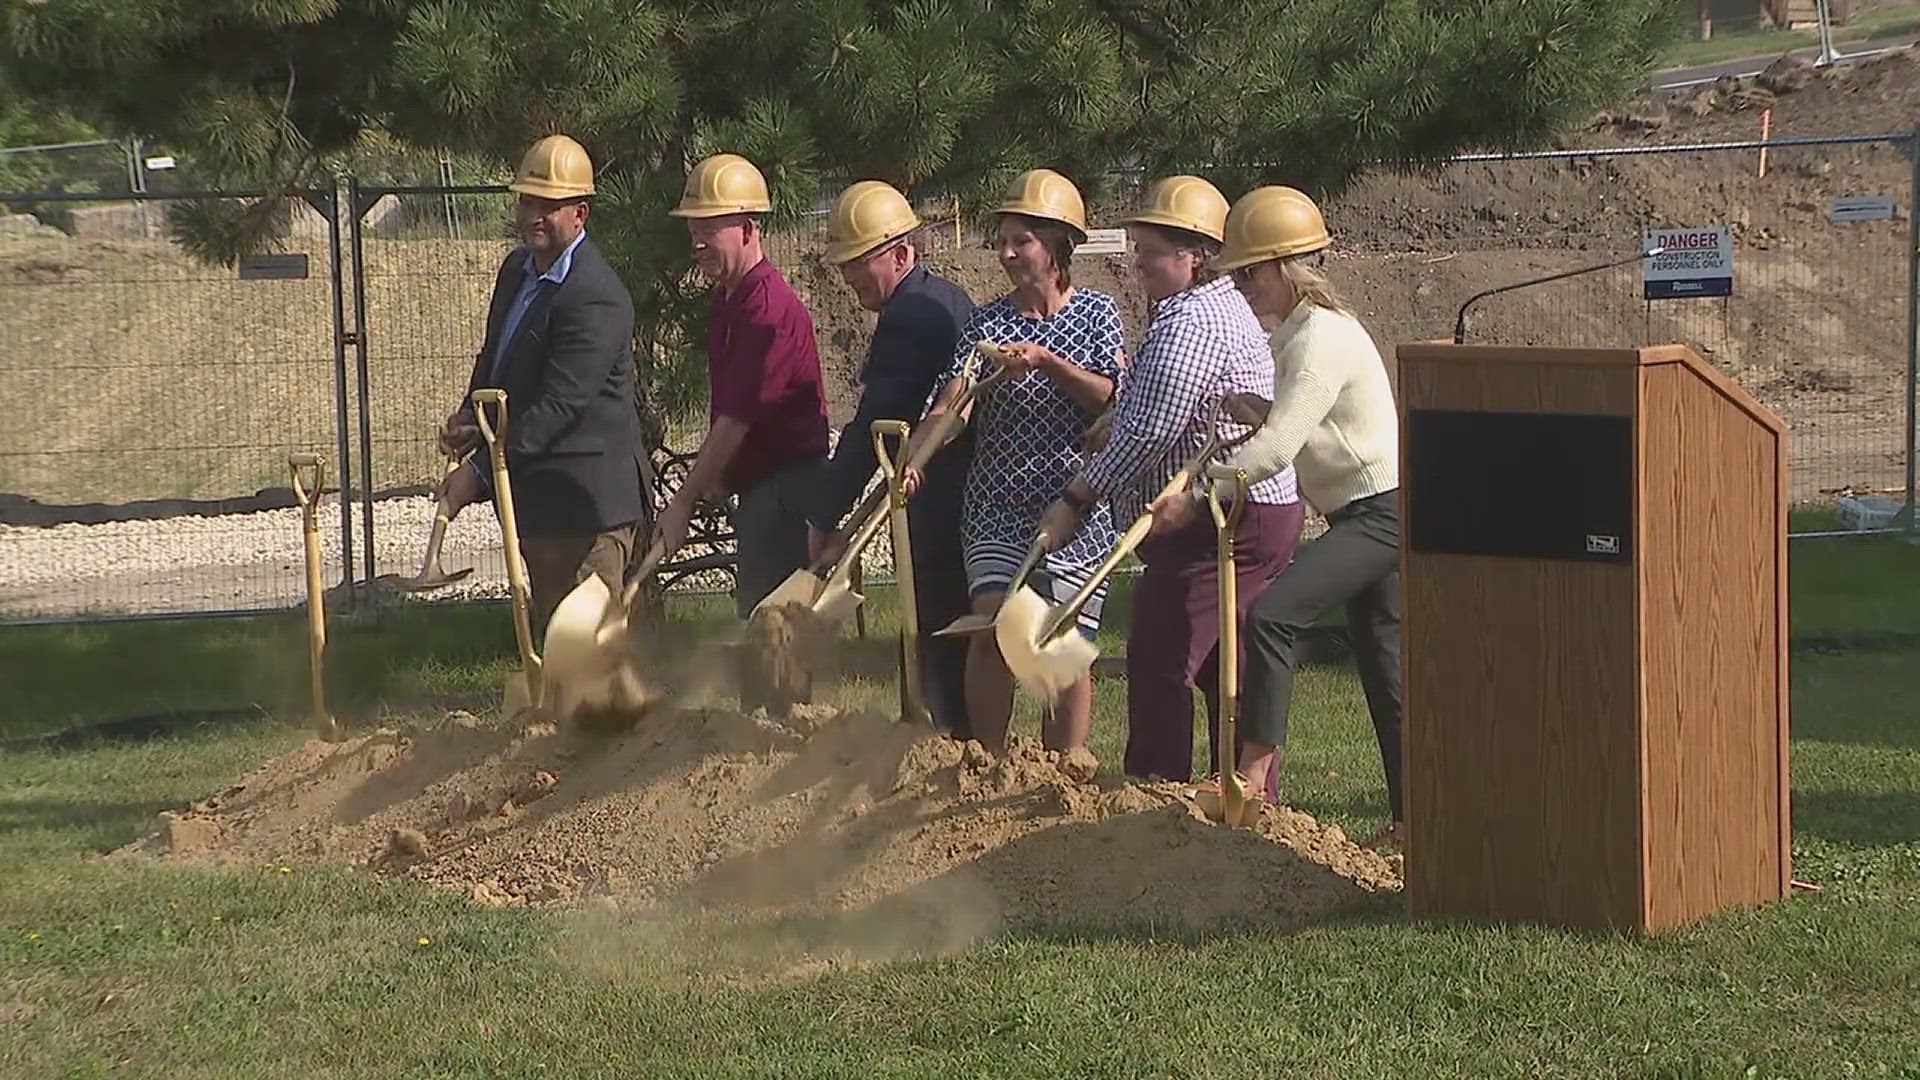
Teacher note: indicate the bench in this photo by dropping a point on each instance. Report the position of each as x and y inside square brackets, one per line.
[710, 543]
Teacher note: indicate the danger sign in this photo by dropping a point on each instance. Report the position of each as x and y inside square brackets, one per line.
[1692, 262]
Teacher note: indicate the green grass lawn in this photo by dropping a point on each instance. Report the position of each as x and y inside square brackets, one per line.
[1871, 19]
[112, 968]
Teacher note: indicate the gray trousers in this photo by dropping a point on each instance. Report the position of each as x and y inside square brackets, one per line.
[1356, 562]
[770, 530]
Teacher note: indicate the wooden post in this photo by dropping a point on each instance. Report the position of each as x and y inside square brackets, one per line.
[1766, 130]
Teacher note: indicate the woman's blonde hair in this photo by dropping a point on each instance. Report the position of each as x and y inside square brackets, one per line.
[1310, 285]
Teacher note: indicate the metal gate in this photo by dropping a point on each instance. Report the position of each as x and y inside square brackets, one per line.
[154, 401]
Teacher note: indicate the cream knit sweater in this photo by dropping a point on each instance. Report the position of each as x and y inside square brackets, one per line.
[1333, 417]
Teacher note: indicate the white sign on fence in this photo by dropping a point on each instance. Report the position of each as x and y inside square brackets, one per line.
[157, 164]
[1693, 262]
[1850, 208]
[1104, 242]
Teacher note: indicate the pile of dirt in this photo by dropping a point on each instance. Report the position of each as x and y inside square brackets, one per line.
[1879, 95]
[708, 813]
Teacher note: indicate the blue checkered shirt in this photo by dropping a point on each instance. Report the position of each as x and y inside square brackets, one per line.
[1200, 344]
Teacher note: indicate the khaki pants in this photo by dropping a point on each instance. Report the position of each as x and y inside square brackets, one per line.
[555, 564]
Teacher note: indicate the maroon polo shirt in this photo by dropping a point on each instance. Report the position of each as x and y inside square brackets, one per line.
[764, 371]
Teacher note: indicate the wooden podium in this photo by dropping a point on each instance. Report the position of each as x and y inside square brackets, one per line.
[1595, 637]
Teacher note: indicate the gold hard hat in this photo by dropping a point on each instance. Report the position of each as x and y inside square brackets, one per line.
[723, 184]
[1043, 193]
[1271, 223]
[866, 215]
[555, 167]
[1183, 202]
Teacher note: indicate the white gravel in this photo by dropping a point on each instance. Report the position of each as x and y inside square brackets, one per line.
[257, 560]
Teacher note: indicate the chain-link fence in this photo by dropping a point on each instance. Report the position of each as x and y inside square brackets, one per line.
[154, 401]
[155, 378]
[425, 261]
[1817, 323]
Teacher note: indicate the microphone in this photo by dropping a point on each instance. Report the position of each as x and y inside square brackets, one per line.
[1460, 320]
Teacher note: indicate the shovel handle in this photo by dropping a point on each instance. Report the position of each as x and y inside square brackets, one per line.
[933, 435]
[890, 429]
[841, 569]
[498, 399]
[869, 506]
[1227, 517]
[1129, 540]
[301, 466]
[1226, 520]
[912, 708]
[1035, 552]
[647, 564]
[509, 532]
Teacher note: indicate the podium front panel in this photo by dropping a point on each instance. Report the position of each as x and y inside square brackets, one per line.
[1523, 761]
[1520, 484]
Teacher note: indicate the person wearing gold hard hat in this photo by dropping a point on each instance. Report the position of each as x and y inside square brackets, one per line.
[1333, 420]
[768, 416]
[559, 341]
[1202, 342]
[870, 235]
[1062, 348]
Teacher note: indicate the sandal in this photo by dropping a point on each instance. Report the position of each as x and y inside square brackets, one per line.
[1213, 804]
[1211, 786]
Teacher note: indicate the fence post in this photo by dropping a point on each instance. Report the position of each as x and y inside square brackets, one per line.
[340, 394]
[354, 207]
[1913, 316]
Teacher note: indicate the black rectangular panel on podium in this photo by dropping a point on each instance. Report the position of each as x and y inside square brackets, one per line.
[1520, 485]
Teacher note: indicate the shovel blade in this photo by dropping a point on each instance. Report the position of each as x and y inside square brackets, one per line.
[432, 579]
[1047, 668]
[838, 605]
[1234, 812]
[801, 587]
[582, 648]
[587, 670]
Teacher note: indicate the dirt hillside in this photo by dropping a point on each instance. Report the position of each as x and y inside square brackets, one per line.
[833, 837]
[152, 378]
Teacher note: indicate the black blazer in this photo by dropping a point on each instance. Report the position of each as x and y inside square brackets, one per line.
[574, 448]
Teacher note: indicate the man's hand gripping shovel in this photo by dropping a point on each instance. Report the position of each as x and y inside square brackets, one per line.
[431, 576]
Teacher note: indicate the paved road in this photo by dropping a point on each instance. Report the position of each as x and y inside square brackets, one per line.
[1674, 79]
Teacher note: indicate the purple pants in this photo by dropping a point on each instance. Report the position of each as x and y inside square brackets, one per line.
[1173, 643]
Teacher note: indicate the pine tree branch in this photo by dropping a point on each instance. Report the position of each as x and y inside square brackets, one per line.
[1168, 48]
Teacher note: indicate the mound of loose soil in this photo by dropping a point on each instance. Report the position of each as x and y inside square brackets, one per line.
[852, 821]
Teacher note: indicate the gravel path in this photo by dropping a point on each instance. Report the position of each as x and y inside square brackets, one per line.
[254, 561]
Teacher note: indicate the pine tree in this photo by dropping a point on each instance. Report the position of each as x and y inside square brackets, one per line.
[941, 97]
